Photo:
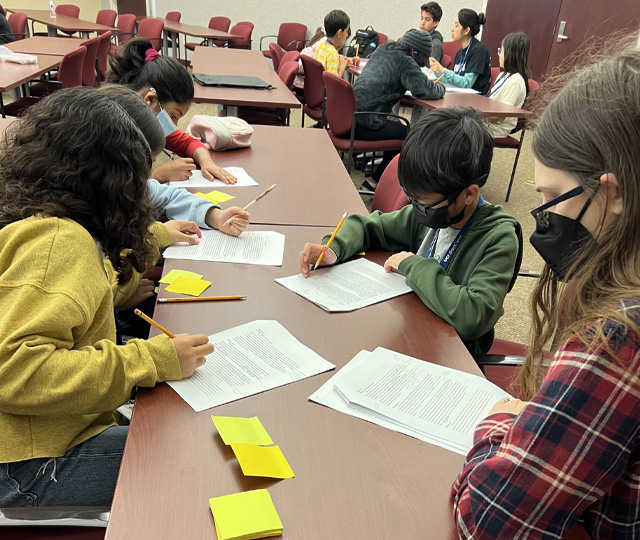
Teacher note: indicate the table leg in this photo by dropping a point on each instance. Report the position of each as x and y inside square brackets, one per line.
[174, 44]
[209, 42]
[2, 107]
[231, 110]
[27, 32]
[51, 31]
[165, 42]
[85, 35]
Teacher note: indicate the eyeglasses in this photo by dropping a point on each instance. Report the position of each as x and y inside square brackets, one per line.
[541, 214]
[499, 51]
[422, 208]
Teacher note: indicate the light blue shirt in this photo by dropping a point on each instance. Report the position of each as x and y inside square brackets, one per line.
[176, 203]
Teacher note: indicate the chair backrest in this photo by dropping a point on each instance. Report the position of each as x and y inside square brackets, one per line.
[450, 48]
[70, 70]
[291, 36]
[18, 24]
[341, 104]
[220, 23]
[276, 55]
[152, 30]
[244, 30]
[69, 10]
[174, 16]
[447, 61]
[89, 65]
[382, 38]
[107, 17]
[127, 25]
[288, 72]
[389, 196]
[495, 71]
[313, 81]
[103, 53]
[290, 56]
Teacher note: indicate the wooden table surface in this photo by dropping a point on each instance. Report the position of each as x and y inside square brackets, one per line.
[62, 22]
[313, 185]
[53, 46]
[195, 30]
[223, 61]
[13, 75]
[488, 107]
[353, 479]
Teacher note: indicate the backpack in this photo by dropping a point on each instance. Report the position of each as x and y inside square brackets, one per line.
[367, 40]
[221, 132]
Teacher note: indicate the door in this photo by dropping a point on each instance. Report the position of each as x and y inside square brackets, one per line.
[536, 19]
[580, 22]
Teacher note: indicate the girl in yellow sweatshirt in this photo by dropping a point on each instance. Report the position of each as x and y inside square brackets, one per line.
[73, 191]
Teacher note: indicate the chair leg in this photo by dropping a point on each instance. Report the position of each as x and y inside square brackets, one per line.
[302, 121]
[515, 166]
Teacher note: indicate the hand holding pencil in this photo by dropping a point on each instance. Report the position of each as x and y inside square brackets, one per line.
[253, 201]
[318, 253]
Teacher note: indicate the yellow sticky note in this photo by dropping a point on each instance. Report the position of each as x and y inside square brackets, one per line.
[216, 197]
[192, 287]
[246, 515]
[241, 430]
[174, 274]
[268, 461]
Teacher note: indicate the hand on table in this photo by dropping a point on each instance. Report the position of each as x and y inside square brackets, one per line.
[183, 231]
[191, 350]
[174, 171]
[213, 171]
[393, 262]
[145, 290]
[239, 222]
[310, 254]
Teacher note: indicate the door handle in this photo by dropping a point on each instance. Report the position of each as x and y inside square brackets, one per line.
[561, 36]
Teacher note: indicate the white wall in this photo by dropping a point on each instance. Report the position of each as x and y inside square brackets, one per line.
[390, 17]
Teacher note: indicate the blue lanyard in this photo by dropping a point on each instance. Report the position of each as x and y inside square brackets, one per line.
[464, 60]
[454, 245]
[502, 79]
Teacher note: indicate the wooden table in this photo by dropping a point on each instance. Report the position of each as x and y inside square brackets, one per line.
[488, 107]
[53, 46]
[313, 185]
[353, 479]
[14, 75]
[62, 22]
[223, 61]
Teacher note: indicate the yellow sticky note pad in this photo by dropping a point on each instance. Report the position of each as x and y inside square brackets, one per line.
[174, 274]
[268, 461]
[192, 287]
[246, 515]
[216, 197]
[241, 430]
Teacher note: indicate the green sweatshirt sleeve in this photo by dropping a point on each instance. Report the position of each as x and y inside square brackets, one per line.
[474, 308]
[461, 81]
[393, 231]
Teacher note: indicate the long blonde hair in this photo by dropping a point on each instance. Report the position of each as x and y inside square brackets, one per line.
[591, 127]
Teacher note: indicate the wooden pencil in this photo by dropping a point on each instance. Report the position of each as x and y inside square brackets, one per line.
[153, 323]
[200, 299]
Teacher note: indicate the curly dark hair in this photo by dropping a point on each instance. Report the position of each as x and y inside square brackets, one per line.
[77, 154]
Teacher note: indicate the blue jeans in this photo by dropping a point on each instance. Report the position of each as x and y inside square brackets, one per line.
[85, 476]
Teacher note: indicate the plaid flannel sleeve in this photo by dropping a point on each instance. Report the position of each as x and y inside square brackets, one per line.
[534, 475]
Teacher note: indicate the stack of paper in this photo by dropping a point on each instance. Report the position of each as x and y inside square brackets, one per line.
[348, 286]
[197, 180]
[249, 359]
[432, 403]
[244, 516]
[251, 247]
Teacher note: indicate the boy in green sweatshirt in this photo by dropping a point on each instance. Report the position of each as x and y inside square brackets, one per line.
[459, 253]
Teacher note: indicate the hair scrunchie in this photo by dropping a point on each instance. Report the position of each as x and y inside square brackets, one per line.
[150, 55]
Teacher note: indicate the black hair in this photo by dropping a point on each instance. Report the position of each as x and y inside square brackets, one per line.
[434, 9]
[336, 20]
[446, 150]
[516, 54]
[148, 124]
[472, 20]
[167, 76]
[78, 154]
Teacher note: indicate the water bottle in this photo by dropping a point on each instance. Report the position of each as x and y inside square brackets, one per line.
[52, 10]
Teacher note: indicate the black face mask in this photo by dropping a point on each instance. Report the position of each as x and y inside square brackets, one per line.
[437, 218]
[558, 238]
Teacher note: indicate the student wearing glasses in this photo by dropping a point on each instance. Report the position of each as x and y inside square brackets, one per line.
[472, 65]
[572, 452]
[459, 253]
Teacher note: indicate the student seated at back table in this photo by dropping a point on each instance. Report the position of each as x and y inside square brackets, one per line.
[6, 33]
[430, 15]
[167, 88]
[392, 69]
[73, 190]
[472, 65]
[461, 254]
[337, 30]
[512, 85]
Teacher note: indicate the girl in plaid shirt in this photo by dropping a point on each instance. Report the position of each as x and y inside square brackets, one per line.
[572, 453]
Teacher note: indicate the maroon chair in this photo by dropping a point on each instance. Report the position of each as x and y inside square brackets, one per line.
[495, 71]
[69, 10]
[152, 30]
[126, 26]
[291, 37]
[276, 55]
[447, 61]
[389, 196]
[450, 48]
[69, 75]
[313, 89]
[512, 142]
[382, 38]
[341, 113]
[90, 61]
[289, 56]
[244, 30]
[18, 24]
[174, 16]
[215, 23]
[107, 17]
[103, 53]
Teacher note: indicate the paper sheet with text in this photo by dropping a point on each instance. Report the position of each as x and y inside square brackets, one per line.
[197, 180]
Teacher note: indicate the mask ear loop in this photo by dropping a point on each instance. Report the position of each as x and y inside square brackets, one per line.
[584, 209]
